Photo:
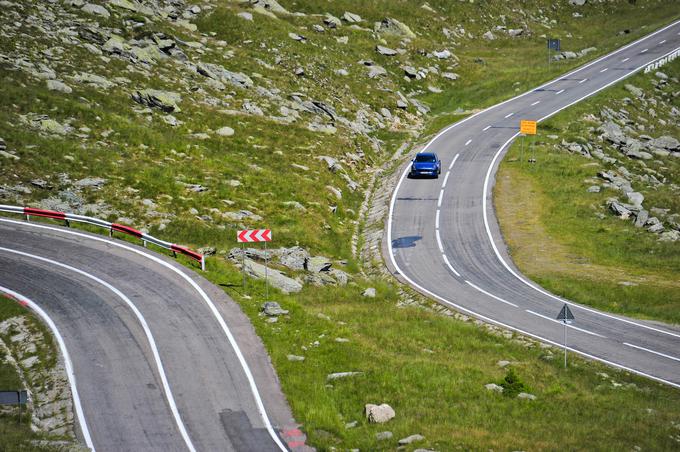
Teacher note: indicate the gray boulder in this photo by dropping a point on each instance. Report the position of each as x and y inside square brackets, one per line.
[376, 71]
[164, 100]
[272, 308]
[442, 54]
[411, 439]
[225, 131]
[275, 277]
[331, 21]
[217, 72]
[381, 436]
[378, 414]
[339, 375]
[56, 85]
[634, 90]
[635, 198]
[666, 142]
[526, 396]
[96, 10]
[351, 18]
[369, 292]
[641, 218]
[493, 387]
[385, 51]
[318, 264]
[294, 258]
[393, 27]
[489, 36]
[618, 209]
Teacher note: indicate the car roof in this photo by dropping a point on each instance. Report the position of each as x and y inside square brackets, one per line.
[427, 154]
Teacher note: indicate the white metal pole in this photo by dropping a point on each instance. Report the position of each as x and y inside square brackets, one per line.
[266, 273]
[565, 343]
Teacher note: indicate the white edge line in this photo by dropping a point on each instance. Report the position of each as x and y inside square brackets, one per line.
[67, 361]
[569, 326]
[441, 195]
[439, 241]
[209, 302]
[149, 337]
[480, 316]
[448, 264]
[489, 294]
[652, 351]
[436, 220]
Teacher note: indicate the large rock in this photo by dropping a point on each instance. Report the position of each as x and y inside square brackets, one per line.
[391, 26]
[294, 258]
[619, 209]
[275, 277]
[318, 264]
[351, 17]
[331, 21]
[411, 439]
[273, 309]
[385, 51]
[634, 90]
[666, 142]
[92, 79]
[378, 414]
[163, 100]
[217, 72]
[96, 10]
[56, 85]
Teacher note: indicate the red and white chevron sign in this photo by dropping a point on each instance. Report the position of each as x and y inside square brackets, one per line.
[254, 235]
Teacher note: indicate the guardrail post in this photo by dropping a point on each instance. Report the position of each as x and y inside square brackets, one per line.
[203, 263]
[144, 243]
[28, 218]
[111, 232]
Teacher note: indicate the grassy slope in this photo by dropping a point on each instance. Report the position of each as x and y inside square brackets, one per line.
[549, 219]
[440, 394]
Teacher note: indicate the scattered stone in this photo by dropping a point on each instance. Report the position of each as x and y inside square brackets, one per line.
[594, 189]
[393, 27]
[339, 375]
[411, 439]
[503, 363]
[493, 387]
[489, 36]
[443, 54]
[351, 18]
[351, 424]
[381, 436]
[92, 79]
[273, 309]
[369, 292]
[56, 85]
[225, 131]
[378, 414]
[525, 395]
[331, 21]
[217, 72]
[164, 100]
[90, 182]
[376, 71]
[297, 37]
[385, 50]
[295, 358]
[96, 10]
[245, 15]
[634, 90]
[318, 264]
[276, 278]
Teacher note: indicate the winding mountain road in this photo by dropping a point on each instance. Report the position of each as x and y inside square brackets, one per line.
[163, 360]
[443, 237]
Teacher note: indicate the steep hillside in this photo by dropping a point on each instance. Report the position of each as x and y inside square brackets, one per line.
[194, 120]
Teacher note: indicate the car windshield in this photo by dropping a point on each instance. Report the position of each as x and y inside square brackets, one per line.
[429, 158]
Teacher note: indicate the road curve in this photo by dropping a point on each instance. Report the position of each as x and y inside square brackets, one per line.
[443, 237]
[149, 344]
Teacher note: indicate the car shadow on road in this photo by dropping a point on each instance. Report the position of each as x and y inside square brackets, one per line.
[406, 242]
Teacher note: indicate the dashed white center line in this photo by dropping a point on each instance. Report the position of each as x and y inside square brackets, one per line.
[489, 294]
[486, 128]
[453, 161]
[583, 81]
[448, 264]
[441, 195]
[570, 326]
[536, 103]
[625, 59]
[507, 116]
[643, 51]
[439, 241]
[436, 220]
[559, 92]
[662, 42]
[468, 142]
[652, 351]
[446, 178]
[604, 70]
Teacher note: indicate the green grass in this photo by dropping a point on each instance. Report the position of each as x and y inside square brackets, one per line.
[592, 260]
[440, 394]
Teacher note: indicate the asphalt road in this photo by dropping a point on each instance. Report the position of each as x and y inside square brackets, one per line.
[443, 236]
[154, 366]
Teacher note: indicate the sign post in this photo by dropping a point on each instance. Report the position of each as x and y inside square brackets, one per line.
[526, 127]
[566, 317]
[553, 44]
[255, 235]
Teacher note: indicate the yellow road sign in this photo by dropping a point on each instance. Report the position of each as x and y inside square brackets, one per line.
[527, 127]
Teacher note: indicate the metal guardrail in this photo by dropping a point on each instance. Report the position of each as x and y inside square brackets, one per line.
[28, 212]
[667, 58]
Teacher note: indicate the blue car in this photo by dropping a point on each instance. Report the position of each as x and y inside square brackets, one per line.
[426, 164]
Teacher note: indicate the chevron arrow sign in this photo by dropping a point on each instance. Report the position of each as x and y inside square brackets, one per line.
[254, 235]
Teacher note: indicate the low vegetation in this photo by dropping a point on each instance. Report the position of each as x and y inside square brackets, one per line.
[236, 156]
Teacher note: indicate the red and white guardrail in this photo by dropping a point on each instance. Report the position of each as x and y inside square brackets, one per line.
[112, 227]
